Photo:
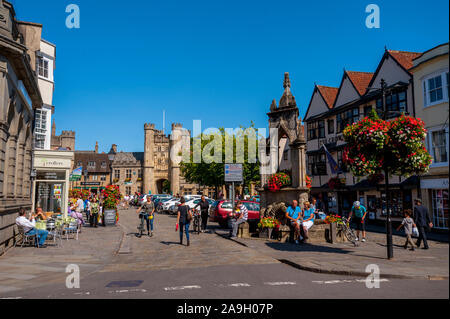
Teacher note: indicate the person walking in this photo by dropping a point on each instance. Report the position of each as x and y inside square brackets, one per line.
[183, 220]
[423, 221]
[87, 209]
[147, 211]
[360, 213]
[243, 216]
[93, 221]
[204, 207]
[408, 224]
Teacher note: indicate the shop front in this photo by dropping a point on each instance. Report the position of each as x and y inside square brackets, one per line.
[436, 198]
[51, 182]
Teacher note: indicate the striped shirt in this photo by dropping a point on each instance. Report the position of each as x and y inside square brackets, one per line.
[244, 212]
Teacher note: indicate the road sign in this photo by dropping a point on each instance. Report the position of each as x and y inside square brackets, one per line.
[233, 173]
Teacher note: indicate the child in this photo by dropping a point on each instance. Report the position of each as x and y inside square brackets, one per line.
[408, 223]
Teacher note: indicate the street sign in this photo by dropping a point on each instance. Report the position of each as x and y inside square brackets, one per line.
[233, 173]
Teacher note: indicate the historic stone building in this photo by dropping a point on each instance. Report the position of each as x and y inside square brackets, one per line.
[147, 171]
[19, 96]
[66, 140]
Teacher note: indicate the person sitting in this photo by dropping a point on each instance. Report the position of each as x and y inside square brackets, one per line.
[293, 214]
[243, 216]
[29, 228]
[308, 219]
[39, 214]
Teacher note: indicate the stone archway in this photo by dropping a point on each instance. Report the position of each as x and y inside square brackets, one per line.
[162, 186]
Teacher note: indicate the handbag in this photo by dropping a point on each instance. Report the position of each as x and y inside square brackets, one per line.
[415, 232]
[188, 215]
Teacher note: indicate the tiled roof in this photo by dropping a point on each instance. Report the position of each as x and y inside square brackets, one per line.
[129, 157]
[329, 94]
[89, 156]
[405, 58]
[360, 80]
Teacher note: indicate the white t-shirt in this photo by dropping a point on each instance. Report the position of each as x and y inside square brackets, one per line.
[80, 206]
[25, 223]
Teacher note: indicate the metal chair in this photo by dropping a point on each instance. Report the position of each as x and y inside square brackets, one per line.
[54, 231]
[72, 229]
[29, 239]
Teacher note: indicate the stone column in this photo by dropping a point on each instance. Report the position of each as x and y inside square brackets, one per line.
[149, 159]
[11, 169]
[3, 142]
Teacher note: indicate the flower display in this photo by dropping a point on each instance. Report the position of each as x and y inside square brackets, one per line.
[308, 181]
[269, 222]
[278, 180]
[373, 143]
[112, 197]
[77, 193]
[333, 219]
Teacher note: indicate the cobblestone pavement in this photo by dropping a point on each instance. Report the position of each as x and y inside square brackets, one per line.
[23, 268]
[344, 258]
[163, 251]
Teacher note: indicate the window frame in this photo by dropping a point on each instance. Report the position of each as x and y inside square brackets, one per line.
[445, 84]
[430, 145]
[330, 121]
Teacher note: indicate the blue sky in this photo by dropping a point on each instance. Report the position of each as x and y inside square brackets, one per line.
[219, 61]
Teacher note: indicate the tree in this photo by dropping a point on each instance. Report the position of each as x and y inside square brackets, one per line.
[211, 170]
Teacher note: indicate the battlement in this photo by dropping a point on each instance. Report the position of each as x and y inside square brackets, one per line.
[176, 125]
[68, 134]
[149, 126]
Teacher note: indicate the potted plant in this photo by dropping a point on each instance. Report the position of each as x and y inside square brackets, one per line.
[267, 224]
[111, 198]
[278, 180]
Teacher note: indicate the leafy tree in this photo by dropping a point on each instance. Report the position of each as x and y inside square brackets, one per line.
[216, 149]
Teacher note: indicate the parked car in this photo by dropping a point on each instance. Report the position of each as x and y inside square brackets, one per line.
[193, 202]
[167, 204]
[221, 210]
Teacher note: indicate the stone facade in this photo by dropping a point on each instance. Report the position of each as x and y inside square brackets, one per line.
[145, 172]
[66, 140]
[19, 96]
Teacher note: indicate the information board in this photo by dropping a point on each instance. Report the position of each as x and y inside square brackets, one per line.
[233, 173]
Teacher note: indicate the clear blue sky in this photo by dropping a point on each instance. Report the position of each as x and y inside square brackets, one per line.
[219, 61]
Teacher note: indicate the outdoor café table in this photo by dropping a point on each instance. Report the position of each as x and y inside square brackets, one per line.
[41, 225]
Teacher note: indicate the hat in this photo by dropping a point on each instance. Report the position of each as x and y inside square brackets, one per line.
[418, 200]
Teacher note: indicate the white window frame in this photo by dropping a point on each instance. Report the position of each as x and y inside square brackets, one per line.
[49, 67]
[430, 144]
[426, 96]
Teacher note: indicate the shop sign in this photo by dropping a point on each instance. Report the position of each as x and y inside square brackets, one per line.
[90, 184]
[233, 173]
[52, 162]
[44, 175]
[437, 183]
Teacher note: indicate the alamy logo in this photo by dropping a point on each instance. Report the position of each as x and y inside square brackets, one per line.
[73, 280]
[373, 280]
[373, 19]
[73, 19]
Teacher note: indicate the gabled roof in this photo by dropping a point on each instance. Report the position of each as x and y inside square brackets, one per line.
[360, 80]
[329, 94]
[404, 58]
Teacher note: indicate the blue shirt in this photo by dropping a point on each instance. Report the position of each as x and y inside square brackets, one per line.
[294, 214]
[359, 212]
[308, 213]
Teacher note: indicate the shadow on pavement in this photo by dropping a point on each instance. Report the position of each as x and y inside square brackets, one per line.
[307, 248]
[170, 243]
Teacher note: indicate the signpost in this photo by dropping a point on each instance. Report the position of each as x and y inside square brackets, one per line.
[233, 174]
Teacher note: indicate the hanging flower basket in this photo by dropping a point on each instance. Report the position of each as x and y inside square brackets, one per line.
[308, 181]
[277, 181]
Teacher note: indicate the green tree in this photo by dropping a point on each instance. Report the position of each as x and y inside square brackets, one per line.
[211, 170]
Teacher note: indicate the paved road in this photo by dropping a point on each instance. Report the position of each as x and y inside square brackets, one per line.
[212, 267]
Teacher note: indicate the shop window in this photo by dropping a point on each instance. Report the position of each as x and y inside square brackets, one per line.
[439, 198]
[317, 164]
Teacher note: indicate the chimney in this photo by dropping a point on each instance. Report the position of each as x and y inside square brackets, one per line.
[96, 147]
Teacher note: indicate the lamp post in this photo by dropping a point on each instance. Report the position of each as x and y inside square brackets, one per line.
[85, 174]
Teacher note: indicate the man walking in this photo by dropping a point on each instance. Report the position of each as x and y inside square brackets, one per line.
[204, 206]
[243, 216]
[360, 213]
[422, 221]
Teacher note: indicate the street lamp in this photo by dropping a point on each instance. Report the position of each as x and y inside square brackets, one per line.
[384, 91]
[85, 173]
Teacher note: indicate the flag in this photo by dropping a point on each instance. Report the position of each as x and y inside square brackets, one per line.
[334, 167]
[76, 174]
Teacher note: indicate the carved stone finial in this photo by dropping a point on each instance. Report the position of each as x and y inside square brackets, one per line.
[273, 106]
[287, 81]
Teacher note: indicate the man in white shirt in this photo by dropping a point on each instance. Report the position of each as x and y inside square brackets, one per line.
[80, 206]
[30, 229]
[242, 217]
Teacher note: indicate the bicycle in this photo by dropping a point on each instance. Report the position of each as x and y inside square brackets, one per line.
[141, 227]
[197, 221]
[344, 226]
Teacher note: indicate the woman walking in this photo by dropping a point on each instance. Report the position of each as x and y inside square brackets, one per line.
[183, 220]
[94, 213]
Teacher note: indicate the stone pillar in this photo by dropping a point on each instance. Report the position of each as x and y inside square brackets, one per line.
[3, 141]
[11, 169]
[298, 162]
[149, 159]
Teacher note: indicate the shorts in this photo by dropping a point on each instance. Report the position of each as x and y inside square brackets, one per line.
[308, 224]
[358, 224]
